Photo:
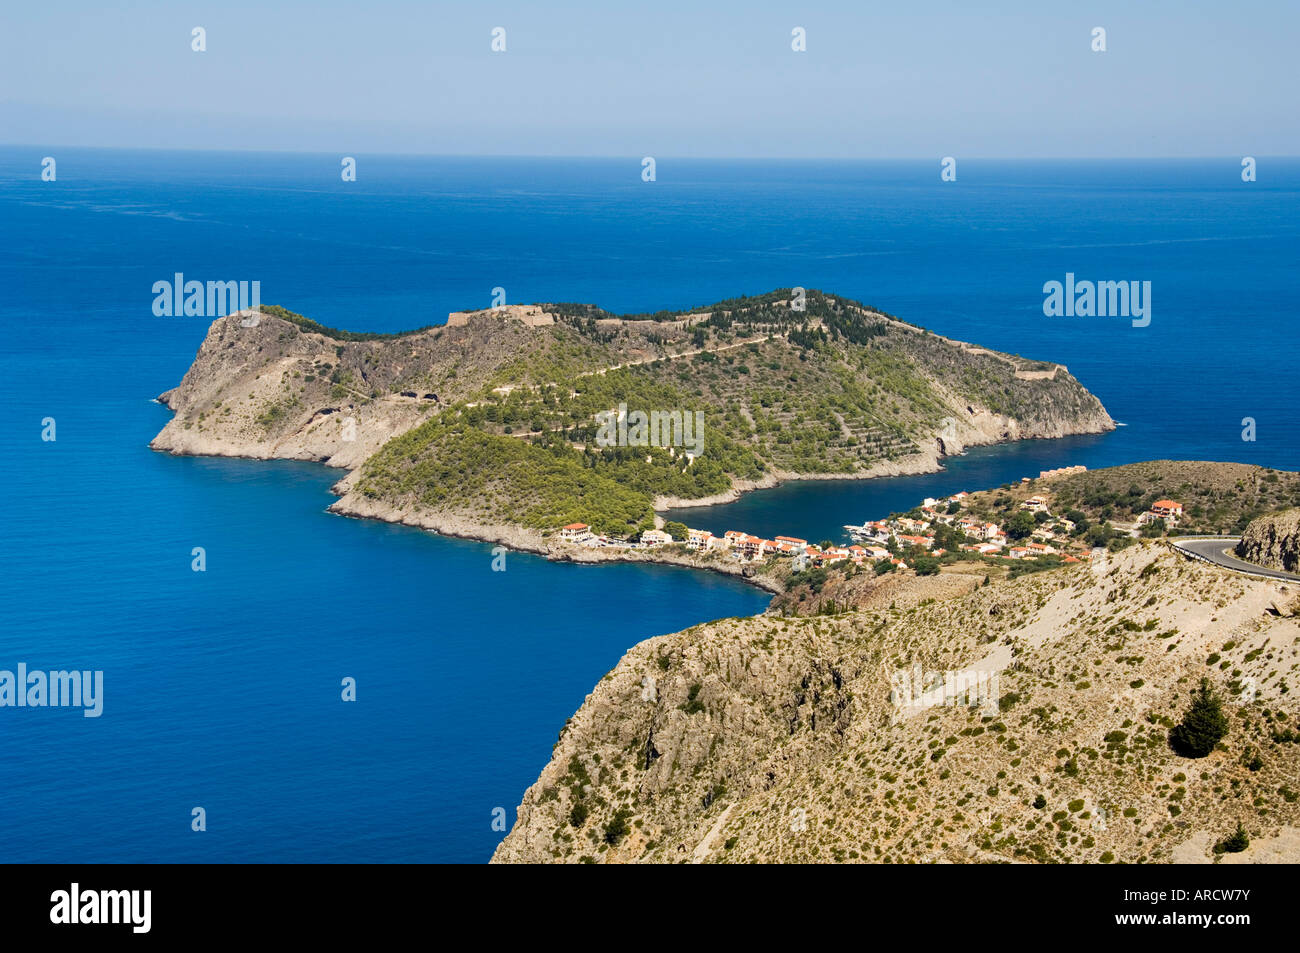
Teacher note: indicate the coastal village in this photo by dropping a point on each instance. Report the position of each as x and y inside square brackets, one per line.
[937, 528]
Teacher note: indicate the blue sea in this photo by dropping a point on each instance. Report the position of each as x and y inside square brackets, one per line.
[222, 688]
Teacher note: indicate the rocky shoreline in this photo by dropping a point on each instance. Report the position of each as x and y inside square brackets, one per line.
[525, 540]
[272, 389]
[911, 465]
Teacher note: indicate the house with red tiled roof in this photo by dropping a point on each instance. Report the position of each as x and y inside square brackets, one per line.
[978, 529]
[699, 539]
[1167, 510]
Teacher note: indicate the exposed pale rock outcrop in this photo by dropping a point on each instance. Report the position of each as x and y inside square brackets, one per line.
[1273, 541]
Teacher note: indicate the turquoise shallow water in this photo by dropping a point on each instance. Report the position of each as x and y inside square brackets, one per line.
[222, 688]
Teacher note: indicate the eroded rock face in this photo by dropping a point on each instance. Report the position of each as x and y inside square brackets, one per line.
[781, 739]
[263, 387]
[702, 721]
[1273, 541]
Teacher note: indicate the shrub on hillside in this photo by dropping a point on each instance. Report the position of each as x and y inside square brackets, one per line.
[1234, 843]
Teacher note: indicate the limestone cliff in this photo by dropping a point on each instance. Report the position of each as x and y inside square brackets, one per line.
[267, 387]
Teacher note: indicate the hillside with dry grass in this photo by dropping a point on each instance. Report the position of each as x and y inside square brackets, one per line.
[1216, 497]
[783, 738]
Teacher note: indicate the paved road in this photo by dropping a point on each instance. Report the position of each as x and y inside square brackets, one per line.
[1219, 552]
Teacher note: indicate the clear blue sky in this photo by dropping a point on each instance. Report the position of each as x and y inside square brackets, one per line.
[663, 78]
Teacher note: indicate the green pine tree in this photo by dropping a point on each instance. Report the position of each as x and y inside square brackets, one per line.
[1203, 727]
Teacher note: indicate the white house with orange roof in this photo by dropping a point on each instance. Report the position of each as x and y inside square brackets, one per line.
[575, 533]
[832, 555]
[1167, 510]
[699, 540]
[977, 529]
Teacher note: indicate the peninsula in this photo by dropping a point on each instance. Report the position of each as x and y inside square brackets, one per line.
[1033, 673]
[511, 423]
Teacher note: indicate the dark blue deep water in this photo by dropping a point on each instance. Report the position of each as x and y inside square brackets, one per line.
[222, 687]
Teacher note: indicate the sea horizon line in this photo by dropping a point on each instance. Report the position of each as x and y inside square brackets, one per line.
[619, 156]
